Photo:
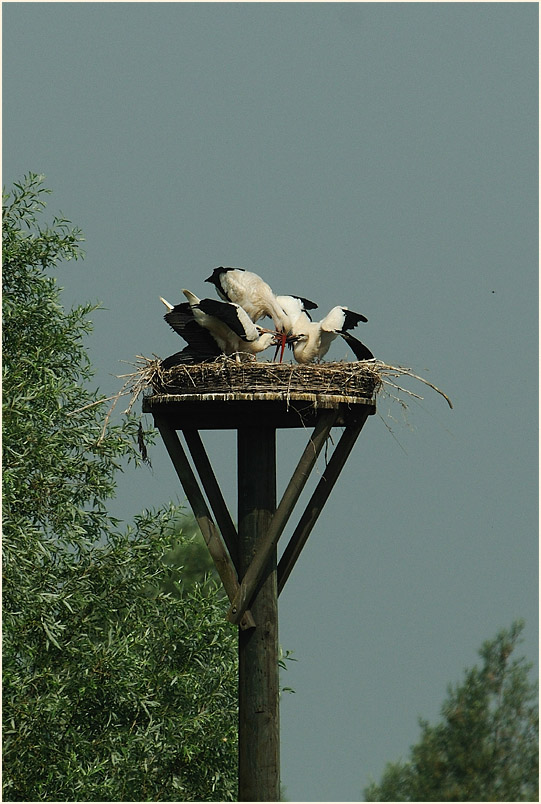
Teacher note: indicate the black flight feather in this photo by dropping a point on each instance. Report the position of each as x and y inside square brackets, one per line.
[226, 312]
[307, 304]
[360, 351]
[181, 319]
[188, 356]
[352, 319]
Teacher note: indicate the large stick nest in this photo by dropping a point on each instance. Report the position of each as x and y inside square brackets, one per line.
[226, 376]
[363, 379]
[336, 382]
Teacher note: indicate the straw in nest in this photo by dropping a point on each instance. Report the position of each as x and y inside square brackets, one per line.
[362, 379]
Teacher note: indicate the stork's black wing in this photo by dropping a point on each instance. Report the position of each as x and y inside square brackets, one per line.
[361, 351]
[188, 355]
[181, 319]
[352, 319]
[226, 312]
[306, 303]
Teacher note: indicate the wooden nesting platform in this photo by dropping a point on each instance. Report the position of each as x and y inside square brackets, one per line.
[220, 395]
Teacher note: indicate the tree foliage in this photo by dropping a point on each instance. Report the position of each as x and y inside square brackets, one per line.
[119, 681]
[485, 748]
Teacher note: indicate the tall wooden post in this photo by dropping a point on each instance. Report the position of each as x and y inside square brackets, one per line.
[247, 560]
[259, 729]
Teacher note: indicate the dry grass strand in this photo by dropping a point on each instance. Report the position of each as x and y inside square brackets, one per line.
[360, 380]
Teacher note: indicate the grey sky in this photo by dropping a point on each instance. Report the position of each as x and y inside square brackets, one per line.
[379, 155]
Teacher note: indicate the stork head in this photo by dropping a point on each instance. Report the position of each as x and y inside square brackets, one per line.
[215, 276]
[283, 338]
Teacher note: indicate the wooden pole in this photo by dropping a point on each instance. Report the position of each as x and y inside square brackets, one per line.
[318, 499]
[211, 535]
[259, 728]
[269, 539]
[212, 490]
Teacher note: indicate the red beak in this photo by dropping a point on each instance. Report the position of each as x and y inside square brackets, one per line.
[283, 345]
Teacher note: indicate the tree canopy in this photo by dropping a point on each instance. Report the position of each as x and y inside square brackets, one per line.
[119, 679]
[486, 746]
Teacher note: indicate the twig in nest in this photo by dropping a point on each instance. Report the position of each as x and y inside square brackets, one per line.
[386, 371]
[226, 375]
[135, 383]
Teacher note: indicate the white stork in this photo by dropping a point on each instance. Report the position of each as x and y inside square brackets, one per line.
[201, 345]
[311, 340]
[255, 296]
[212, 327]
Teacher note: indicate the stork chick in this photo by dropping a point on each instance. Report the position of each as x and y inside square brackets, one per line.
[311, 340]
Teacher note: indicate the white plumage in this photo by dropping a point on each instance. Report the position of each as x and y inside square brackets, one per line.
[256, 297]
[294, 307]
[213, 327]
[311, 340]
[168, 305]
[250, 291]
[229, 324]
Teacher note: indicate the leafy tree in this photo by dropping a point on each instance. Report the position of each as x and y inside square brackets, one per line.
[117, 685]
[189, 560]
[486, 747]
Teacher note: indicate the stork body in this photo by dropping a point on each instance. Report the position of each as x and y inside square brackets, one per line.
[212, 328]
[201, 345]
[250, 291]
[311, 340]
[256, 297]
[294, 307]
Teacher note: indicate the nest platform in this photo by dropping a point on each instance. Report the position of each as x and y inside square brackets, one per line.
[220, 394]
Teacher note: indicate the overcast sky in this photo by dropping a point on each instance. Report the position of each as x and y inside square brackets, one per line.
[379, 155]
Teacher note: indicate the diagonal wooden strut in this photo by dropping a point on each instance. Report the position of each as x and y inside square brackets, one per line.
[318, 499]
[269, 540]
[212, 537]
[214, 495]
